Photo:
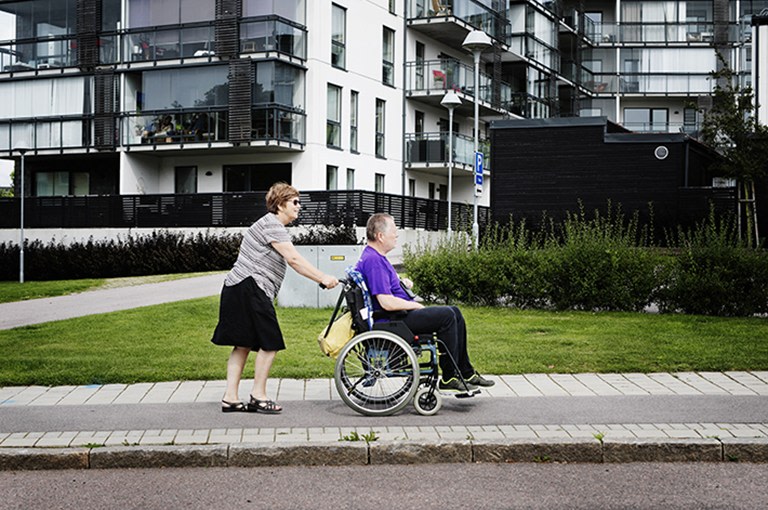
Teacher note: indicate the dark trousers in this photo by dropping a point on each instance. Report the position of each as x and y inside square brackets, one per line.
[449, 324]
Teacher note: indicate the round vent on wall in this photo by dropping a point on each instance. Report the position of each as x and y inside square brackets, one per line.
[661, 152]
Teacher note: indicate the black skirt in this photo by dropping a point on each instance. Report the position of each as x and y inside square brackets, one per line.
[247, 319]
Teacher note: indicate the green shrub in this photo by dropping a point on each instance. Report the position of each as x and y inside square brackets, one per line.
[158, 253]
[715, 273]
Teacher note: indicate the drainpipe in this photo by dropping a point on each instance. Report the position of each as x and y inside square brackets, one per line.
[404, 113]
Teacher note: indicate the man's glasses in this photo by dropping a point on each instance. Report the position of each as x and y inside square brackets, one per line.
[296, 201]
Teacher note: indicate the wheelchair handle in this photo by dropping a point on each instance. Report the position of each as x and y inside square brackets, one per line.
[341, 280]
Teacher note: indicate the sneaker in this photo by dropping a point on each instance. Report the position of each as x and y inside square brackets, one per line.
[453, 385]
[478, 380]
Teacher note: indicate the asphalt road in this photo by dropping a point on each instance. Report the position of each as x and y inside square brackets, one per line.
[422, 487]
[455, 412]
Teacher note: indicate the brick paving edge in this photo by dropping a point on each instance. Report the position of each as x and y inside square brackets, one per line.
[388, 452]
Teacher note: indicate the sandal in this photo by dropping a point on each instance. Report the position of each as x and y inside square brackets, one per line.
[232, 407]
[263, 406]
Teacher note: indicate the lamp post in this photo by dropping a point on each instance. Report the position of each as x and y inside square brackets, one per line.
[22, 149]
[451, 100]
[475, 42]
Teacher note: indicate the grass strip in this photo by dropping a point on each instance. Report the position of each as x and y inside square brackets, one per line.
[171, 342]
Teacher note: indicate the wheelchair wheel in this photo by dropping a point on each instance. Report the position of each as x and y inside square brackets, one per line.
[427, 401]
[377, 373]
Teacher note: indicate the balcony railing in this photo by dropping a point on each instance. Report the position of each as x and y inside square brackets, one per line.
[661, 83]
[46, 133]
[692, 130]
[278, 123]
[528, 46]
[175, 126]
[471, 12]
[657, 33]
[433, 148]
[273, 35]
[36, 54]
[161, 43]
[351, 208]
[437, 76]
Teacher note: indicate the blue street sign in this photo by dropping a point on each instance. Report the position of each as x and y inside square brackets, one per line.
[478, 172]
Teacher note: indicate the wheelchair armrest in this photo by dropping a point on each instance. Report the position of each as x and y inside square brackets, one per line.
[394, 315]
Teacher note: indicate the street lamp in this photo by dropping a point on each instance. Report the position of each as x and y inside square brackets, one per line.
[475, 42]
[22, 149]
[451, 100]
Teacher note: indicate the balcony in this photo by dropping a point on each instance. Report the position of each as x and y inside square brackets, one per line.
[47, 135]
[430, 151]
[171, 43]
[43, 53]
[279, 125]
[168, 129]
[449, 21]
[427, 81]
[648, 83]
[273, 35]
[662, 34]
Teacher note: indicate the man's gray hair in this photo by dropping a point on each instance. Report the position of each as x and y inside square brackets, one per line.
[377, 223]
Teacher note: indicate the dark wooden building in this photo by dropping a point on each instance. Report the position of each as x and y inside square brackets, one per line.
[550, 165]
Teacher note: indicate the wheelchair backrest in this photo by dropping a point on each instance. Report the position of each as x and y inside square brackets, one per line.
[358, 301]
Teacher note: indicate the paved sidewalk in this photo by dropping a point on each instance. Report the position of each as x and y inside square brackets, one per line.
[36, 311]
[403, 438]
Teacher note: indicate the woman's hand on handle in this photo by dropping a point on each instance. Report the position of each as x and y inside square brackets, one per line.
[328, 281]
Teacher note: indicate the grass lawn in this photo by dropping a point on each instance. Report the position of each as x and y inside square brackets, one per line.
[171, 342]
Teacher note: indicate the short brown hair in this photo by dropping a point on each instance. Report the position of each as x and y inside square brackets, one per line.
[278, 194]
[377, 223]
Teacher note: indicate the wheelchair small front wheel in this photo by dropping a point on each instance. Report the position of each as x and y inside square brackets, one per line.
[427, 401]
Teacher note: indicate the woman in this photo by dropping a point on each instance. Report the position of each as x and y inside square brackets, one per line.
[247, 317]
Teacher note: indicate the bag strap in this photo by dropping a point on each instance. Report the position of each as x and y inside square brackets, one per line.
[336, 310]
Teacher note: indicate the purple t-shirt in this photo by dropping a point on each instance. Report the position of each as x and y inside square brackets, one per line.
[380, 276]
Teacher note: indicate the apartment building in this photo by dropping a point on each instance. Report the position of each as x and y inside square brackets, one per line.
[190, 96]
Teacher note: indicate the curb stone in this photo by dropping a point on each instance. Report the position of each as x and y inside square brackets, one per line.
[26, 459]
[539, 450]
[667, 450]
[745, 450]
[298, 454]
[575, 450]
[158, 456]
[420, 452]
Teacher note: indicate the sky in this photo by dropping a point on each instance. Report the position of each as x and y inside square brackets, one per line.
[6, 167]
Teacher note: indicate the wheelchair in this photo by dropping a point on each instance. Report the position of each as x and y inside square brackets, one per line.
[385, 366]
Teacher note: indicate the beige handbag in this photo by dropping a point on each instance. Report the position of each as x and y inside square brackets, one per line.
[336, 335]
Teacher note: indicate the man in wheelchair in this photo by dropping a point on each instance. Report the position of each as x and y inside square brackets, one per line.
[391, 295]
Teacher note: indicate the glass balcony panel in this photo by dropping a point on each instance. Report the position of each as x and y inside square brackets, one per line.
[435, 76]
[433, 148]
[277, 124]
[273, 35]
[174, 126]
[472, 12]
[50, 52]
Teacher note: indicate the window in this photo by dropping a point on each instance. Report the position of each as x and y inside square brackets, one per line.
[388, 57]
[646, 119]
[380, 125]
[442, 191]
[333, 129]
[419, 66]
[185, 88]
[392, 6]
[53, 184]
[412, 187]
[331, 178]
[338, 36]
[379, 183]
[276, 82]
[292, 10]
[431, 191]
[419, 121]
[593, 25]
[149, 13]
[186, 180]
[255, 177]
[350, 178]
[353, 104]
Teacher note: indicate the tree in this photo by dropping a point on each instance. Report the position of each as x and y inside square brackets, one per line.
[732, 128]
